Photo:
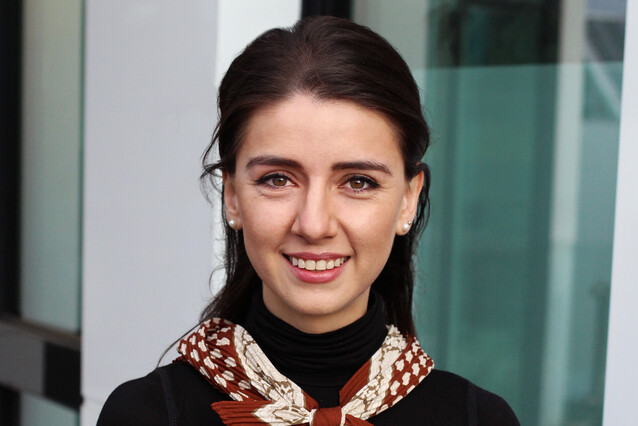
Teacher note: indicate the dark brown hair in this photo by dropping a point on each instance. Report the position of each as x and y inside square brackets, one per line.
[330, 59]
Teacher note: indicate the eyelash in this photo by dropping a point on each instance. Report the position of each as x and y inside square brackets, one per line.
[371, 183]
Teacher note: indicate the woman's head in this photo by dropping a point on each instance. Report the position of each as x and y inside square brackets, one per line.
[323, 63]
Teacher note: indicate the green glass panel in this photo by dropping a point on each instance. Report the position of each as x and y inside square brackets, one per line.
[514, 276]
[35, 411]
[51, 180]
[51, 163]
[523, 98]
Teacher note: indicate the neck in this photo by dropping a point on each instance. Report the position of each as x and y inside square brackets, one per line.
[320, 363]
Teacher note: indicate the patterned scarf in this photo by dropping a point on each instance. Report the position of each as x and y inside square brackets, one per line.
[230, 359]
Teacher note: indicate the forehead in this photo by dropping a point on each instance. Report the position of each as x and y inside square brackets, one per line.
[318, 130]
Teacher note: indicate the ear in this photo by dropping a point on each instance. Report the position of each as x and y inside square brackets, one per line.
[410, 204]
[231, 204]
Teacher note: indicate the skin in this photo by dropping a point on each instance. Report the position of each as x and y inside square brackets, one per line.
[304, 183]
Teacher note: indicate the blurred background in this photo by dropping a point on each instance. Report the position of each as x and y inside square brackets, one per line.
[107, 243]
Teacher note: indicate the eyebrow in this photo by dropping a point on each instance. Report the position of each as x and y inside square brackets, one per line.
[362, 165]
[272, 160]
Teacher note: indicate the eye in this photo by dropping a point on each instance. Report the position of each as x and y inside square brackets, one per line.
[279, 180]
[362, 183]
[357, 183]
[274, 180]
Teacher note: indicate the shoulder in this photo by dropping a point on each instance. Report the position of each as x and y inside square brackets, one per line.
[173, 394]
[139, 401]
[491, 409]
[444, 398]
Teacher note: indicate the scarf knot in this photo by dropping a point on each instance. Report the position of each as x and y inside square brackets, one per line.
[328, 417]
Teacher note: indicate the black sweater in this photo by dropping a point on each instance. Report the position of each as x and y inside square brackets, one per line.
[320, 364]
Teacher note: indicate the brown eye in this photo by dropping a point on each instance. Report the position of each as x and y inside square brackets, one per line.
[275, 180]
[362, 183]
[279, 181]
[357, 183]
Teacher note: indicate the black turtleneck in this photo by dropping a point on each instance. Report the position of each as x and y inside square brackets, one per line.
[177, 394]
[320, 364]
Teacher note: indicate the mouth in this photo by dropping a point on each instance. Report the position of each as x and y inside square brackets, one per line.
[317, 265]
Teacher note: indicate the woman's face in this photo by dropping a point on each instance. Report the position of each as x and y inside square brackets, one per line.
[319, 191]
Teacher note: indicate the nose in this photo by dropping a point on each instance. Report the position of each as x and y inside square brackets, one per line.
[315, 220]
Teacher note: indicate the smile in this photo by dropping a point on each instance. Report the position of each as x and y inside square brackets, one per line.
[317, 265]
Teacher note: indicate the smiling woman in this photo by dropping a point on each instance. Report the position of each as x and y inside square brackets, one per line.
[320, 143]
[319, 182]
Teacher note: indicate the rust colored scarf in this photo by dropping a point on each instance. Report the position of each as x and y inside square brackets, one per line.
[230, 359]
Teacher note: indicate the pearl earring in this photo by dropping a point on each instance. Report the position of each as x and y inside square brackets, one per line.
[232, 223]
[406, 226]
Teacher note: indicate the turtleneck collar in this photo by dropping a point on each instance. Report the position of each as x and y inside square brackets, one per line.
[319, 363]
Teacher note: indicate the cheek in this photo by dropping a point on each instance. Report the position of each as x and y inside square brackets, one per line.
[259, 213]
[265, 225]
[377, 218]
[372, 230]
[261, 247]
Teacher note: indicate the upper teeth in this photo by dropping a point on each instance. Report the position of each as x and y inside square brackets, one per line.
[319, 265]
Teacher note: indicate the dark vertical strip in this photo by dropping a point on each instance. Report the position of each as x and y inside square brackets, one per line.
[549, 31]
[9, 407]
[62, 375]
[339, 8]
[10, 87]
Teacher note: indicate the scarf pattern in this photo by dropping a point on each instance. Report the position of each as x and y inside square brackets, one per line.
[230, 360]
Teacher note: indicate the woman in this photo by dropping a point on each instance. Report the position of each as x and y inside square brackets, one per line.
[320, 141]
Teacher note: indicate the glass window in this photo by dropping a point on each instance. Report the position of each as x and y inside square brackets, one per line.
[51, 163]
[39, 411]
[514, 268]
[40, 306]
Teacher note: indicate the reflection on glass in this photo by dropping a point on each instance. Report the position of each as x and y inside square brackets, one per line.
[514, 269]
[51, 163]
[49, 287]
[37, 411]
[516, 277]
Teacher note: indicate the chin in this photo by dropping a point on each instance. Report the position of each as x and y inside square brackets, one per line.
[333, 311]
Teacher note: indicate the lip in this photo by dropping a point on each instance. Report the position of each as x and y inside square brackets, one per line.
[315, 277]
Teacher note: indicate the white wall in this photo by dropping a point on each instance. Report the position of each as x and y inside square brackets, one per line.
[622, 349]
[240, 21]
[151, 71]
[149, 112]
